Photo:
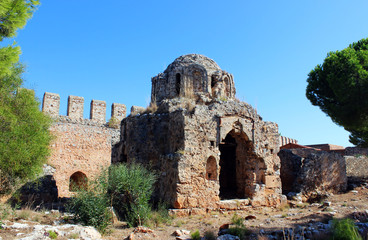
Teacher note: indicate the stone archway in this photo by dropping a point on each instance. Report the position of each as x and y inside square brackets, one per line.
[242, 172]
[78, 181]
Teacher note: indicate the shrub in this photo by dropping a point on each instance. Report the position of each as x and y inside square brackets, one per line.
[345, 230]
[239, 229]
[130, 188]
[237, 220]
[209, 235]
[52, 234]
[159, 216]
[114, 123]
[195, 235]
[91, 208]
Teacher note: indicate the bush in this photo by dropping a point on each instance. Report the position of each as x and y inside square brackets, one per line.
[127, 188]
[91, 208]
[195, 235]
[209, 235]
[130, 188]
[345, 230]
[239, 229]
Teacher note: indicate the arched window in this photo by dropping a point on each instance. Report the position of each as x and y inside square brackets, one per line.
[211, 169]
[178, 83]
[213, 81]
[78, 181]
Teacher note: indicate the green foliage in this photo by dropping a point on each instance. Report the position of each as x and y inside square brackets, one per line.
[339, 87]
[239, 230]
[14, 15]
[127, 188]
[130, 188]
[195, 235]
[52, 234]
[24, 138]
[91, 207]
[345, 230]
[359, 138]
[24, 135]
[237, 220]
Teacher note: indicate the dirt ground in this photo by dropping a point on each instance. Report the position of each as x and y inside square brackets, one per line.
[353, 204]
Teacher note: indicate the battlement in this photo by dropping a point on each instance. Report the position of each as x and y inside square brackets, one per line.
[51, 106]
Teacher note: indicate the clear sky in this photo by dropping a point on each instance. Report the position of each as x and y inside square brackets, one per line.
[109, 50]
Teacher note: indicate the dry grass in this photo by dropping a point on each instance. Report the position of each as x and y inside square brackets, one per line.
[152, 108]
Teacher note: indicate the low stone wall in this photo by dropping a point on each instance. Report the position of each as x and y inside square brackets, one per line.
[356, 162]
[308, 170]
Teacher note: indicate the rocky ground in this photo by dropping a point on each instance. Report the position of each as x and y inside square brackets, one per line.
[298, 221]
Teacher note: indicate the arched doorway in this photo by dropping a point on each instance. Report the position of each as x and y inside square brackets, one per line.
[242, 172]
[228, 183]
[78, 181]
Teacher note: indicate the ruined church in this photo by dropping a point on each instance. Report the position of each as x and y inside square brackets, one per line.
[207, 147]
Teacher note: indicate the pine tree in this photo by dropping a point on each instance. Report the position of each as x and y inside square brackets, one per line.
[24, 134]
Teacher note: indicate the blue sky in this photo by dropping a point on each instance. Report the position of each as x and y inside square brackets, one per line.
[109, 50]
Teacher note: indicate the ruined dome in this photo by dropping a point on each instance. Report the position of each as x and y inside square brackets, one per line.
[193, 59]
[193, 75]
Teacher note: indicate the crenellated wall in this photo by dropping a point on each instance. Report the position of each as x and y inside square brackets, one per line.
[82, 147]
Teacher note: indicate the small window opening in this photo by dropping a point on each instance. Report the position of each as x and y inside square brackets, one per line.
[211, 169]
[212, 143]
[178, 83]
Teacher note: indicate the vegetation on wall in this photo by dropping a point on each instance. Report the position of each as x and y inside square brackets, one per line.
[24, 135]
[339, 87]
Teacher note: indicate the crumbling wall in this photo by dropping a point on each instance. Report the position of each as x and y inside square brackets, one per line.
[308, 170]
[156, 141]
[80, 145]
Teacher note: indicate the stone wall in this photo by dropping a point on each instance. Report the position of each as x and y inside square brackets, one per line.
[82, 147]
[307, 170]
[356, 162]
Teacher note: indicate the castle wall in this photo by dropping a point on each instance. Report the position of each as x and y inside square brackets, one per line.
[81, 146]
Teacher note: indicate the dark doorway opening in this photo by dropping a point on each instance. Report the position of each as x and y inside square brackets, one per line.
[228, 183]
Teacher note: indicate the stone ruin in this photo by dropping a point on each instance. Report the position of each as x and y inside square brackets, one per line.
[209, 150]
[207, 147]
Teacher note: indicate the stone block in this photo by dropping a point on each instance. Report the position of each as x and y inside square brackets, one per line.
[75, 107]
[272, 181]
[98, 111]
[51, 104]
[118, 111]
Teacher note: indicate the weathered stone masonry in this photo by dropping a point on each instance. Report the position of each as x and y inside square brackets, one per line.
[82, 147]
[205, 145]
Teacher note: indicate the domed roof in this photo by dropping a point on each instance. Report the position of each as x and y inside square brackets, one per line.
[192, 59]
